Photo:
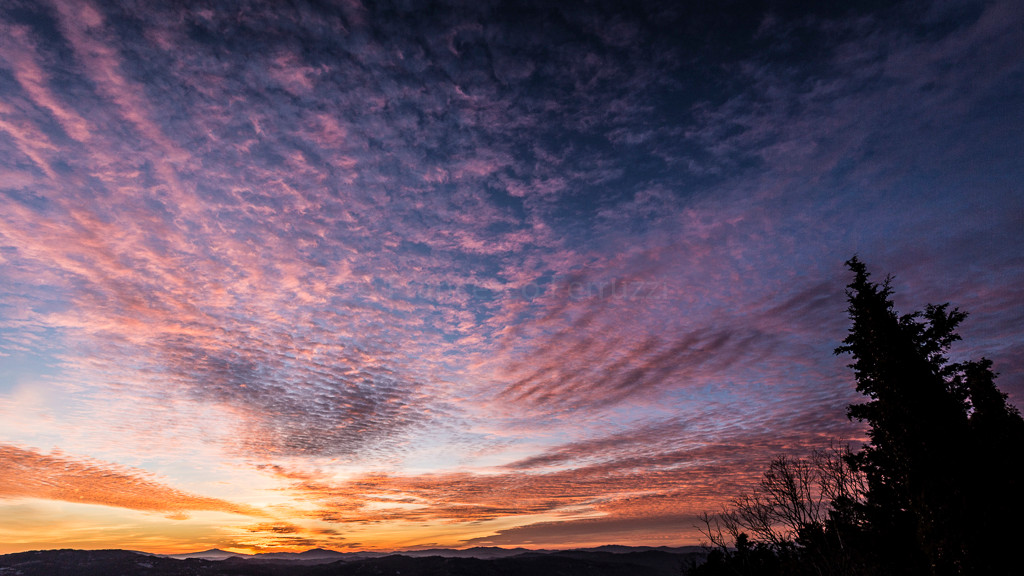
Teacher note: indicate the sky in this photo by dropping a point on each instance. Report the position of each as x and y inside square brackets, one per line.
[402, 275]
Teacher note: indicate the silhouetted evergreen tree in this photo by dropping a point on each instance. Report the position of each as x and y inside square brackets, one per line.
[994, 481]
[940, 487]
[938, 433]
[916, 427]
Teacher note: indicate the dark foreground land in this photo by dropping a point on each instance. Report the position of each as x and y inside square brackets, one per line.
[653, 562]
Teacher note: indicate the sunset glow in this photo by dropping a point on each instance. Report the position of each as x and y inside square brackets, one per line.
[374, 277]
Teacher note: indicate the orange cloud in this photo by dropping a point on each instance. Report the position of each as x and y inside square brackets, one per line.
[26, 473]
[628, 488]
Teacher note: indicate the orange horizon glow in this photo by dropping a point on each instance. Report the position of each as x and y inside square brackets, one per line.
[419, 512]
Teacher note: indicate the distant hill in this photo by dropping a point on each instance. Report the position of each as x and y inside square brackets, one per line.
[212, 554]
[479, 552]
[519, 562]
[313, 554]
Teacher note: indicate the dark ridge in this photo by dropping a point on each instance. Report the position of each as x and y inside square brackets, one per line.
[526, 563]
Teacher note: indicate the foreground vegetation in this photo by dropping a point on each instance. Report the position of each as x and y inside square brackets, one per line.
[933, 492]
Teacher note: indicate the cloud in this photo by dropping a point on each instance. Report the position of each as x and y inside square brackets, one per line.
[665, 470]
[27, 473]
[275, 527]
[650, 531]
[290, 261]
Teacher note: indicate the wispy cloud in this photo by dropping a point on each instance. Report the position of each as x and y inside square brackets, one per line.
[650, 472]
[27, 473]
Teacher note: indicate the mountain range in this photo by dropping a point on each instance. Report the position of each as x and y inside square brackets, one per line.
[483, 561]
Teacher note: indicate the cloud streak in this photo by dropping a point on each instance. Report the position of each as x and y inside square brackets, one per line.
[27, 473]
